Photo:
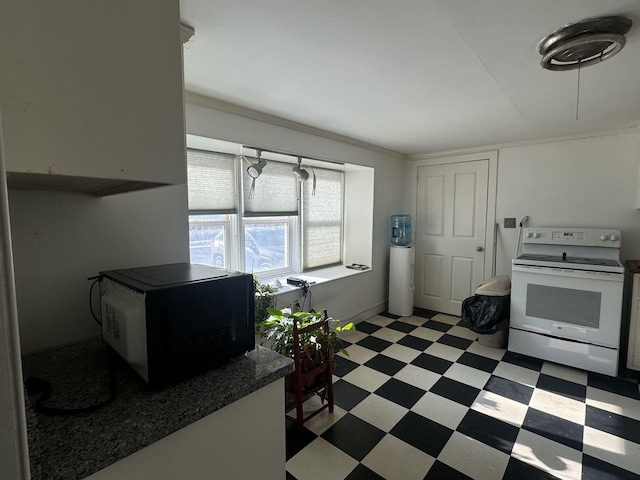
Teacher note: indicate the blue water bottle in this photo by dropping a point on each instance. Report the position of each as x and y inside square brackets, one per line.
[400, 230]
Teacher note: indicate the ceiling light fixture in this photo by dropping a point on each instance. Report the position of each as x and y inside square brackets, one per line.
[584, 43]
[254, 171]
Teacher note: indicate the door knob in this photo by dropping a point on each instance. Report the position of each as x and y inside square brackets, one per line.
[479, 249]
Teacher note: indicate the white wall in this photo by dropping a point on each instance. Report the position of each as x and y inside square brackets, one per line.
[588, 182]
[60, 239]
[349, 297]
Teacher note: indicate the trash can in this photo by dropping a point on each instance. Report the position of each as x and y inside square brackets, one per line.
[487, 312]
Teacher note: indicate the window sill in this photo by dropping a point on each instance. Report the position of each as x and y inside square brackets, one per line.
[314, 277]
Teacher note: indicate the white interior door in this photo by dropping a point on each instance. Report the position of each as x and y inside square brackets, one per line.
[450, 227]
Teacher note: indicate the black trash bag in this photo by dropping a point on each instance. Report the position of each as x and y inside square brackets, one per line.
[486, 314]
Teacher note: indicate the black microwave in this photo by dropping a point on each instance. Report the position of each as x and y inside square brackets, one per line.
[172, 321]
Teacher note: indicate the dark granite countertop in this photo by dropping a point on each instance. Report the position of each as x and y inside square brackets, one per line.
[73, 446]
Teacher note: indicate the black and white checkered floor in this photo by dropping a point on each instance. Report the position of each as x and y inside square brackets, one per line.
[418, 398]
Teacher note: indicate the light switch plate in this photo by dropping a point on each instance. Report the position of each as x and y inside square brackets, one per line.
[509, 223]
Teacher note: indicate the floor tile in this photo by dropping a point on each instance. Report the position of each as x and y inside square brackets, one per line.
[495, 353]
[467, 375]
[414, 320]
[453, 341]
[385, 364]
[379, 412]
[523, 361]
[320, 423]
[394, 459]
[473, 458]
[363, 473]
[618, 425]
[379, 320]
[359, 354]
[427, 334]
[347, 395]
[296, 441]
[489, 430]
[510, 389]
[612, 402]
[441, 410]
[418, 377]
[431, 362]
[402, 326]
[519, 470]
[614, 385]
[400, 393]
[502, 408]
[444, 351]
[439, 326]
[554, 428]
[367, 327]
[366, 378]
[353, 436]
[388, 334]
[402, 353]
[463, 332]
[423, 312]
[343, 366]
[352, 336]
[558, 405]
[373, 343]
[554, 458]
[448, 319]
[567, 373]
[596, 469]
[478, 361]
[390, 315]
[562, 387]
[416, 343]
[456, 391]
[311, 463]
[516, 373]
[441, 471]
[422, 433]
[612, 449]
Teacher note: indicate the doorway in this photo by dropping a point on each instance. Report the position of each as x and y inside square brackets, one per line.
[454, 218]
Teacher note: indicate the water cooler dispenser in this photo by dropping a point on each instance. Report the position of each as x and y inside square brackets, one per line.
[401, 260]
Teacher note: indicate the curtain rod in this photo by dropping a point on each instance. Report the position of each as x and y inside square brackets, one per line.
[277, 152]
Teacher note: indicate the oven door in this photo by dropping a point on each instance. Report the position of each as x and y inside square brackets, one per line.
[572, 304]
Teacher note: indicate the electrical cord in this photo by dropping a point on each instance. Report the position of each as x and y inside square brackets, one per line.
[35, 385]
[95, 280]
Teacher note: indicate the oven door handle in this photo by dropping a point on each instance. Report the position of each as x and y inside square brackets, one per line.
[561, 272]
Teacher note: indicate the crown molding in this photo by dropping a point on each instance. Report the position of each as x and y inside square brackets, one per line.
[233, 109]
[523, 143]
[186, 32]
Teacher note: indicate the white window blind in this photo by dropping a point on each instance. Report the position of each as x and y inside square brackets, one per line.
[322, 219]
[212, 182]
[275, 191]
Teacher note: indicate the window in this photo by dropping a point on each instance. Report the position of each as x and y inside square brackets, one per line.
[278, 227]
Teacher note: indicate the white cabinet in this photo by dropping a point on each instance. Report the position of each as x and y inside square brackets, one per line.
[91, 94]
[633, 352]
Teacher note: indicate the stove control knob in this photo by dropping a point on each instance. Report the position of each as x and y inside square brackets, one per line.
[536, 235]
[604, 237]
[613, 237]
[529, 235]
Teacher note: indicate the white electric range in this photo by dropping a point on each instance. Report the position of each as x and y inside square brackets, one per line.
[566, 297]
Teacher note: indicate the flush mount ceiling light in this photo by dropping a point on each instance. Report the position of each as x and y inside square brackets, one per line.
[584, 43]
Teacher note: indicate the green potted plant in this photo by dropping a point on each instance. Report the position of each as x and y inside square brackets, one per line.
[316, 348]
[264, 299]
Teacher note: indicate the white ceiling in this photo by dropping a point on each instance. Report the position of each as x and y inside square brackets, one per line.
[411, 76]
